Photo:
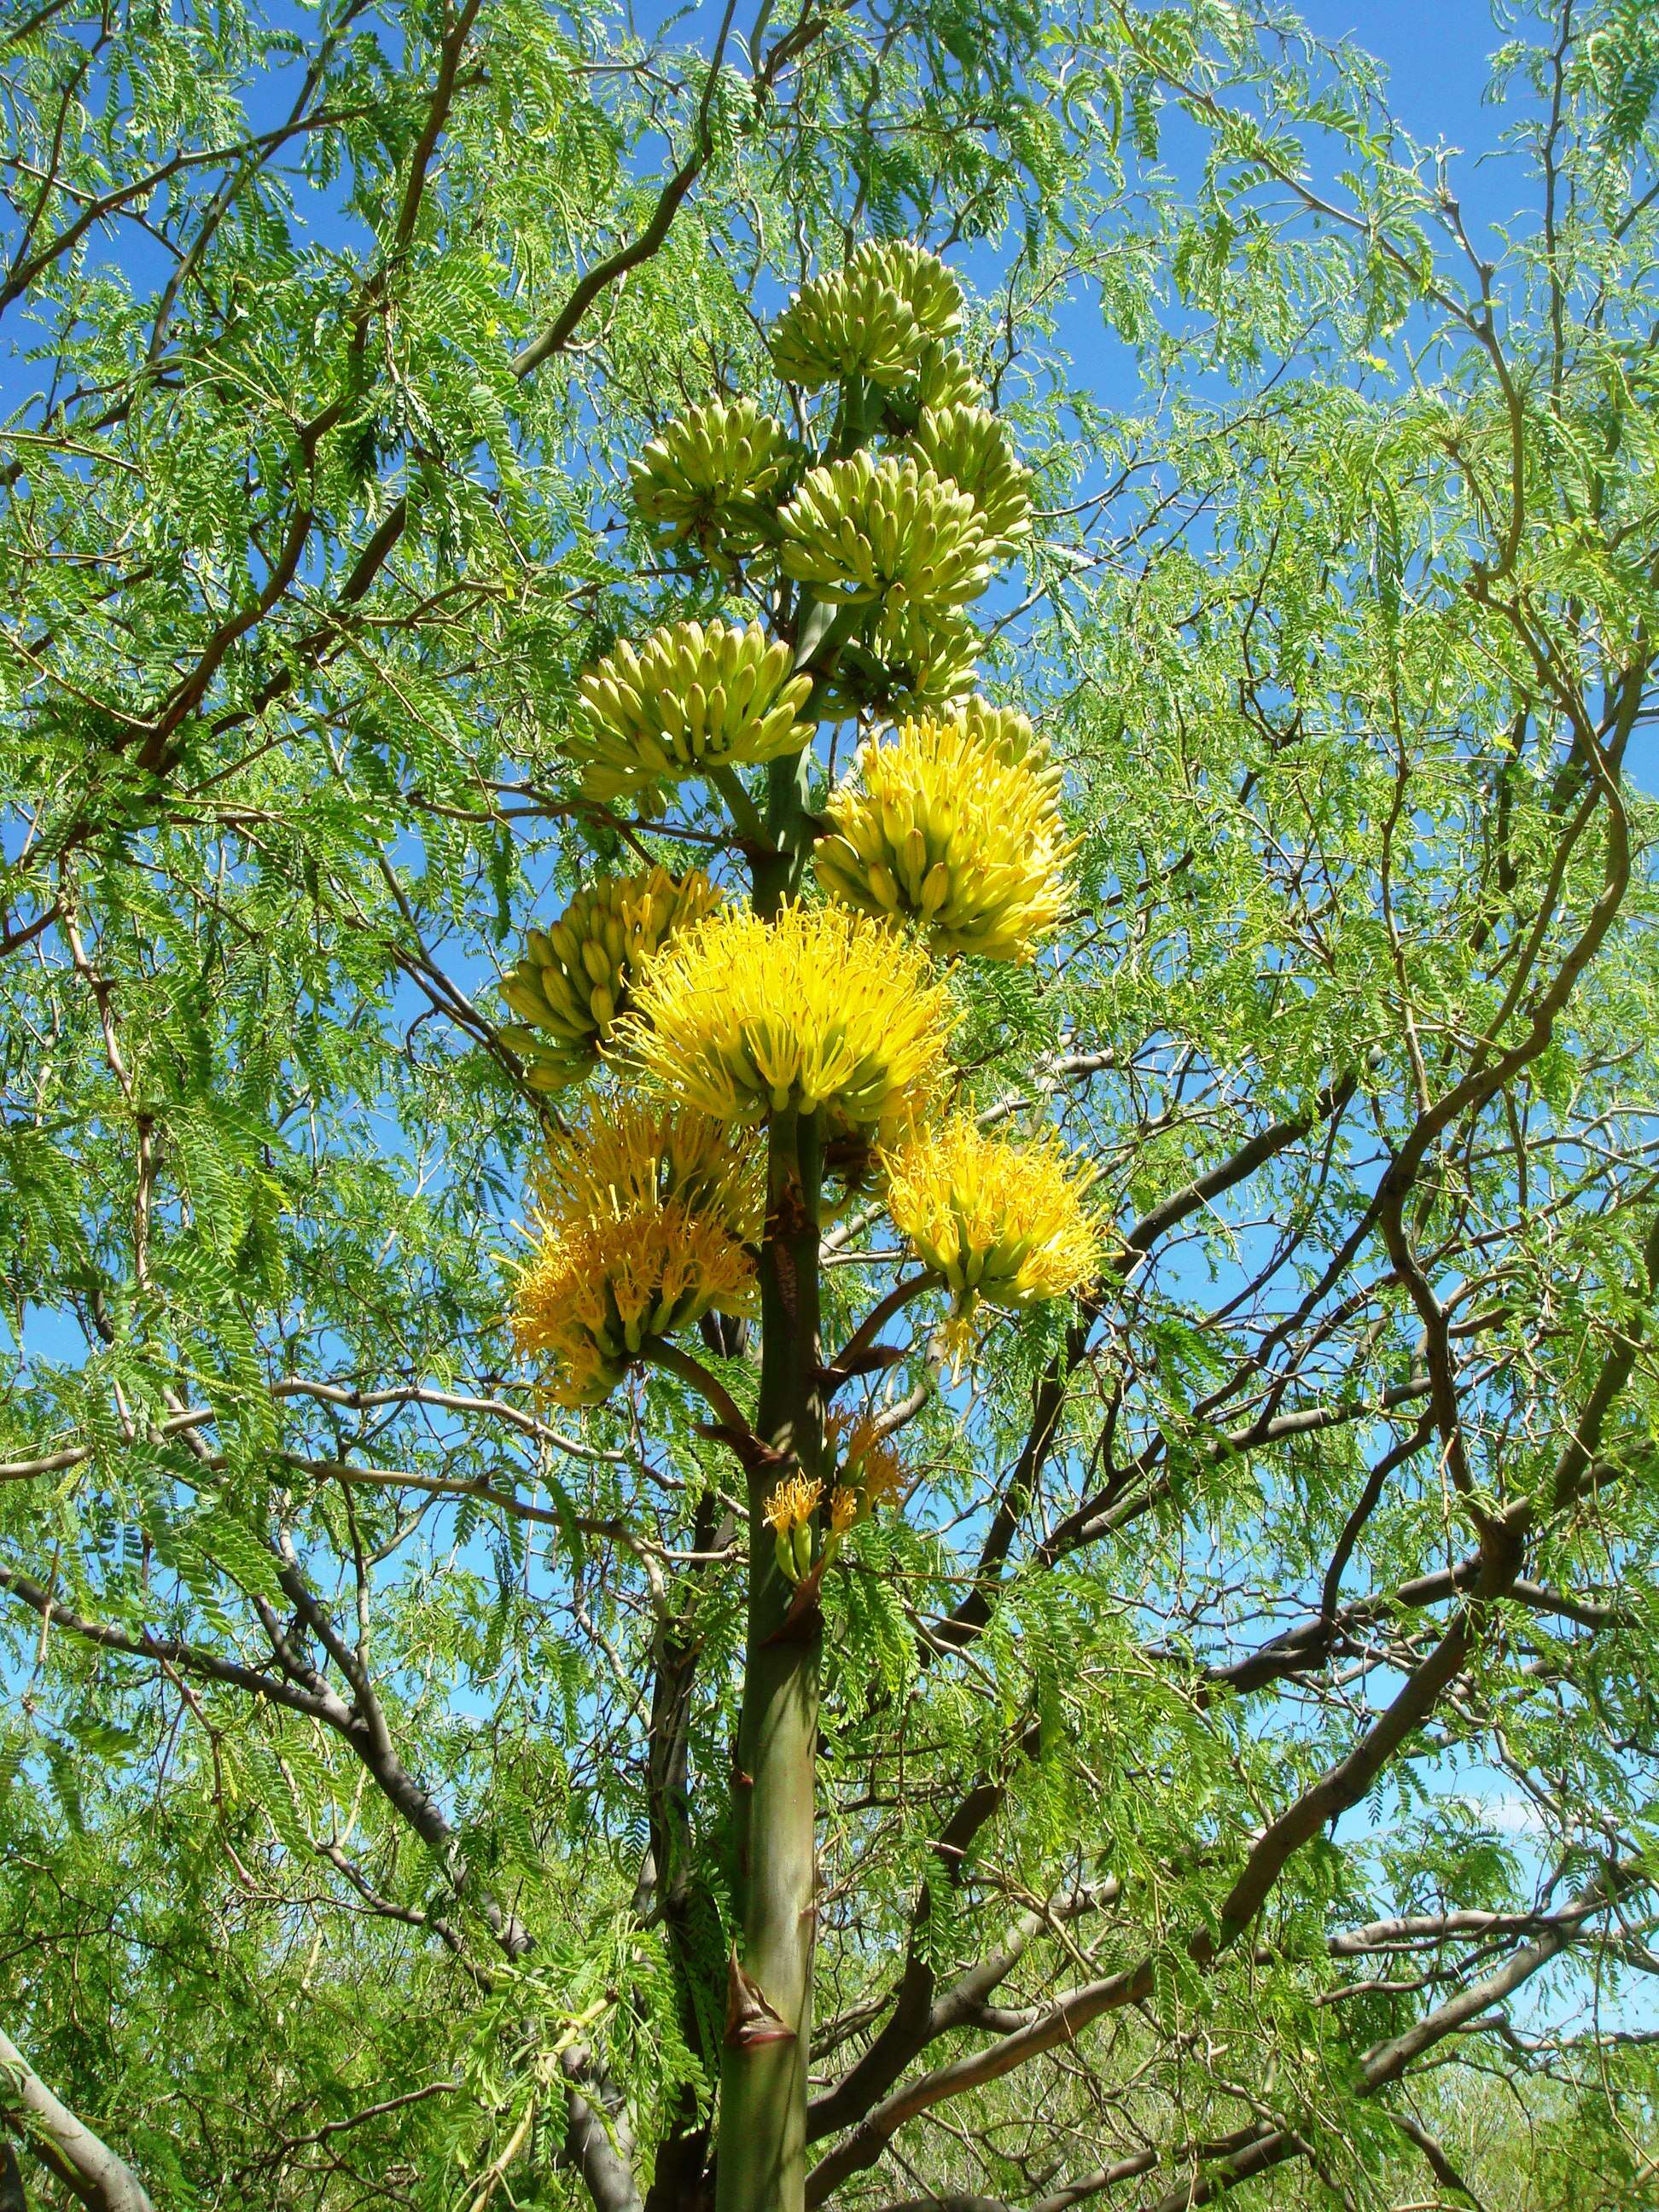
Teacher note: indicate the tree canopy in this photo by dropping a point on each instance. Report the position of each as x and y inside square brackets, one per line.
[1236, 1759]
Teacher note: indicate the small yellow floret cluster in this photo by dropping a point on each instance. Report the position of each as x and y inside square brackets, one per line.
[633, 1155]
[819, 1008]
[872, 1473]
[789, 1513]
[1004, 1222]
[868, 1475]
[942, 827]
[794, 1503]
[645, 1224]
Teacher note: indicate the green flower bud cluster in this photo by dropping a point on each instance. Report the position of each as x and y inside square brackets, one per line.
[688, 699]
[867, 321]
[939, 376]
[713, 478]
[943, 378]
[574, 979]
[968, 446]
[898, 664]
[1011, 736]
[888, 532]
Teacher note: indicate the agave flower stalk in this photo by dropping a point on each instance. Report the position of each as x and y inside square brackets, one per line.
[763, 2161]
[747, 1046]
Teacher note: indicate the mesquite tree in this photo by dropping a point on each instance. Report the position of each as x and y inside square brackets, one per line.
[780, 1066]
[1218, 1516]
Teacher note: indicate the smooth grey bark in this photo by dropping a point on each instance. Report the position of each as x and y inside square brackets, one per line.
[90, 2165]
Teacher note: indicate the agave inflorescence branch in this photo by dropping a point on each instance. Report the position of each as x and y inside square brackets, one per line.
[746, 1052]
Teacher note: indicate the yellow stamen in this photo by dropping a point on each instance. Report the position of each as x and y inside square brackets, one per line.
[792, 1503]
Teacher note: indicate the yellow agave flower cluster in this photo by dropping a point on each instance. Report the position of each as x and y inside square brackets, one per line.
[816, 1010]
[575, 979]
[994, 1219]
[646, 1219]
[943, 827]
[946, 839]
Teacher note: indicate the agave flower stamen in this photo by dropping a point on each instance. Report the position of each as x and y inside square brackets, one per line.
[819, 1008]
[792, 1503]
[870, 1464]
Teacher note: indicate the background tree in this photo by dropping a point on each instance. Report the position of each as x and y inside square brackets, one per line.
[1250, 1713]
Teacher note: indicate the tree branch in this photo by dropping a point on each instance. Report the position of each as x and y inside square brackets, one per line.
[91, 2168]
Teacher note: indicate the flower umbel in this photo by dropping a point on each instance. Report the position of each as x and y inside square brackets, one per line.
[871, 319]
[574, 979]
[645, 1221]
[925, 283]
[707, 477]
[886, 532]
[688, 699]
[942, 828]
[852, 324]
[636, 1156]
[1005, 731]
[902, 663]
[1004, 1222]
[969, 445]
[820, 1007]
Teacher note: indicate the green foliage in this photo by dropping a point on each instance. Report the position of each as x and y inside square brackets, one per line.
[349, 1687]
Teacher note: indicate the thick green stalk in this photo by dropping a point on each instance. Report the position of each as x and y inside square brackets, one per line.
[763, 2134]
[762, 2159]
